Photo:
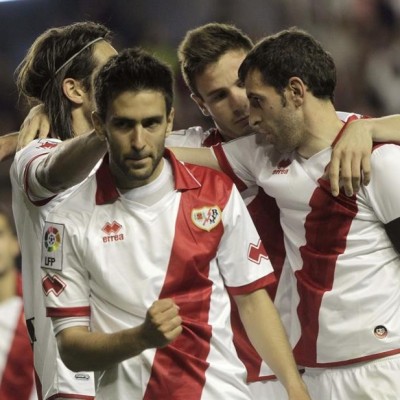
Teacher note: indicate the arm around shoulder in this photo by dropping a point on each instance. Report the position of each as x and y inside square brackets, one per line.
[8, 145]
[70, 162]
[200, 156]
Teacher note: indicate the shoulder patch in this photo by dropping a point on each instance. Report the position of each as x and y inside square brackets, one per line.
[52, 244]
[206, 218]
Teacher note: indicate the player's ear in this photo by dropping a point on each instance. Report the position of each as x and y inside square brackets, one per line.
[297, 90]
[98, 126]
[73, 90]
[170, 122]
[200, 103]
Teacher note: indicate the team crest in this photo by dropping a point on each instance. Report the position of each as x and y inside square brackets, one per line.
[52, 246]
[206, 218]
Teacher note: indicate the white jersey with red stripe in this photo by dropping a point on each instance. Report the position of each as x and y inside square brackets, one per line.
[345, 273]
[29, 212]
[190, 137]
[265, 215]
[109, 257]
[16, 360]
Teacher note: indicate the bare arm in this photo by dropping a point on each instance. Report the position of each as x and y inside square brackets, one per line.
[350, 162]
[266, 333]
[199, 156]
[8, 145]
[36, 124]
[82, 350]
[70, 162]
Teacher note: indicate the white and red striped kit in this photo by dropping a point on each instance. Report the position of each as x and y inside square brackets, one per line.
[344, 271]
[54, 379]
[109, 257]
[265, 216]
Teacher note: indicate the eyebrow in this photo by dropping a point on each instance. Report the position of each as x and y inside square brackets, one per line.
[157, 118]
[209, 94]
[215, 91]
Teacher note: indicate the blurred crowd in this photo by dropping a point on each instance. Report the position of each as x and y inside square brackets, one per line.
[362, 35]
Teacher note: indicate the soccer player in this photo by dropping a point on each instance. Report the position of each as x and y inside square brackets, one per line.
[343, 251]
[137, 263]
[16, 359]
[56, 71]
[210, 56]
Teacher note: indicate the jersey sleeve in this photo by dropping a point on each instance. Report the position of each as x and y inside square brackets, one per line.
[242, 259]
[25, 165]
[384, 189]
[65, 281]
[344, 116]
[191, 137]
[244, 160]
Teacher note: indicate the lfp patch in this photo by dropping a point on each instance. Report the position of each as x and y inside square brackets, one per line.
[206, 218]
[52, 242]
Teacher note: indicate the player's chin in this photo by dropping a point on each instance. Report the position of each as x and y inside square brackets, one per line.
[140, 174]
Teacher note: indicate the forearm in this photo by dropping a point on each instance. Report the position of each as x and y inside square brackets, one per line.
[82, 350]
[384, 129]
[70, 162]
[199, 156]
[265, 331]
[8, 145]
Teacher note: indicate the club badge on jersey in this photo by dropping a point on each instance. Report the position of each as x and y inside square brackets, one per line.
[52, 246]
[206, 218]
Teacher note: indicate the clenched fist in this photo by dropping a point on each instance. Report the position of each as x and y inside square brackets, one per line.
[162, 324]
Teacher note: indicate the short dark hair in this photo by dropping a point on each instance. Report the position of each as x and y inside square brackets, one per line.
[37, 80]
[292, 52]
[132, 70]
[205, 45]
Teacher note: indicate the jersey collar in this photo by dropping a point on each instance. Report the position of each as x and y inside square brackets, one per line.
[107, 191]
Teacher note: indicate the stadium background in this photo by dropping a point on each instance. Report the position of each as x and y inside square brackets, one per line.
[362, 35]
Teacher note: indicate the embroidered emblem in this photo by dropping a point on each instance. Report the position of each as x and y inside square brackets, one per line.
[206, 218]
[257, 252]
[53, 284]
[282, 167]
[112, 229]
[47, 145]
[52, 246]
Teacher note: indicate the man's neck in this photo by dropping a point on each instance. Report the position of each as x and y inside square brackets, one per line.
[80, 123]
[8, 284]
[322, 127]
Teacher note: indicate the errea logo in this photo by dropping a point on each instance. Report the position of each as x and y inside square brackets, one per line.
[256, 252]
[282, 167]
[112, 231]
[47, 145]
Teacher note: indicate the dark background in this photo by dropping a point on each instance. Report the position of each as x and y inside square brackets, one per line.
[362, 35]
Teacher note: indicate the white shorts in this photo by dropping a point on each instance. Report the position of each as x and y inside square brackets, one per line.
[267, 390]
[377, 379]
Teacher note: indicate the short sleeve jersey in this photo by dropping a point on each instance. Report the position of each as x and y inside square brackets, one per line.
[344, 271]
[265, 215]
[29, 215]
[109, 257]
